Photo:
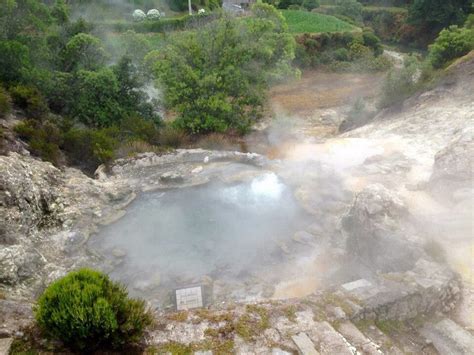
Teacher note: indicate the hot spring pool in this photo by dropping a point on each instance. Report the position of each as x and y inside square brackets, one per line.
[175, 238]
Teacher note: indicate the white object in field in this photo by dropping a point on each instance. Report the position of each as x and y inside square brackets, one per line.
[188, 298]
[153, 14]
[201, 11]
[138, 15]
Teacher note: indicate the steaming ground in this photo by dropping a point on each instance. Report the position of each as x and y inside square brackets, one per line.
[245, 235]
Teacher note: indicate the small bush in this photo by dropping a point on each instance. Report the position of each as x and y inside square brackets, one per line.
[171, 136]
[452, 43]
[30, 99]
[44, 139]
[341, 54]
[402, 83]
[90, 147]
[137, 128]
[86, 310]
[5, 102]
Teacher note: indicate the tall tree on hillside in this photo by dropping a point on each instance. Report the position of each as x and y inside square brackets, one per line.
[215, 78]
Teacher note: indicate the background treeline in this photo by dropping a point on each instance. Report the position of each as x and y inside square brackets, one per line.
[85, 96]
[76, 98]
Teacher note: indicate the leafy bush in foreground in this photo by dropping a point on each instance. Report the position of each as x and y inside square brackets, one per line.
[86, 310]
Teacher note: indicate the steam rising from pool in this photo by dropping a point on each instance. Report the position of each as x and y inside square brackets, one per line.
[175, 238]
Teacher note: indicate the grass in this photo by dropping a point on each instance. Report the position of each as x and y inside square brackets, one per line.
[312, 22]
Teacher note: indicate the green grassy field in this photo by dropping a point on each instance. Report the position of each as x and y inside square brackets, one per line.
[311, 22]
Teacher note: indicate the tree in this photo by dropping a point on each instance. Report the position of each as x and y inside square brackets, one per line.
[132, 99]
[96, 101]
[215, 78]
[83, 51]
[14, 61]
[431, 16]
[23, 18]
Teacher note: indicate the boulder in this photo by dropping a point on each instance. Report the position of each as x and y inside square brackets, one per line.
[453, 165]
[375, 237]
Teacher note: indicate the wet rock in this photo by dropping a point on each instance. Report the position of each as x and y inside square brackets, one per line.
[303, 237]
[171, 177]
[197, 170]
[119, 253]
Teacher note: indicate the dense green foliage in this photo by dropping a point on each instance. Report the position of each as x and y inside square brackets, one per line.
[431, 16]
[297, 4]
[341, 51]
[215, 78]
[312, 22]
[388, 23]
[86, 310]
[5, 102]
[452, 42]
[59, 73]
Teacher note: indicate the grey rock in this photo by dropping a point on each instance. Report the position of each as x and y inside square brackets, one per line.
[171, 177]
[330, 341]
[304, 344]
[449, 338]
[453, 167]
[374, 235]
[278, 351]
[359, 340]
[350, 286]
[119, 253]
[5, 345]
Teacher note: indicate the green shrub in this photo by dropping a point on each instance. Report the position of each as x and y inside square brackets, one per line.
[469, 22]
[29, 99]
[387, 22]
[44, 139]
[402, 83]
[310, 4]
[5, 102]
[86, 310]
[452, 43]
[137, 128]
[90, 147]
[373, 42]
[341, 54]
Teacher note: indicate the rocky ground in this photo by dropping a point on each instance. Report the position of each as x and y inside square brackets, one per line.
[385, 199]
